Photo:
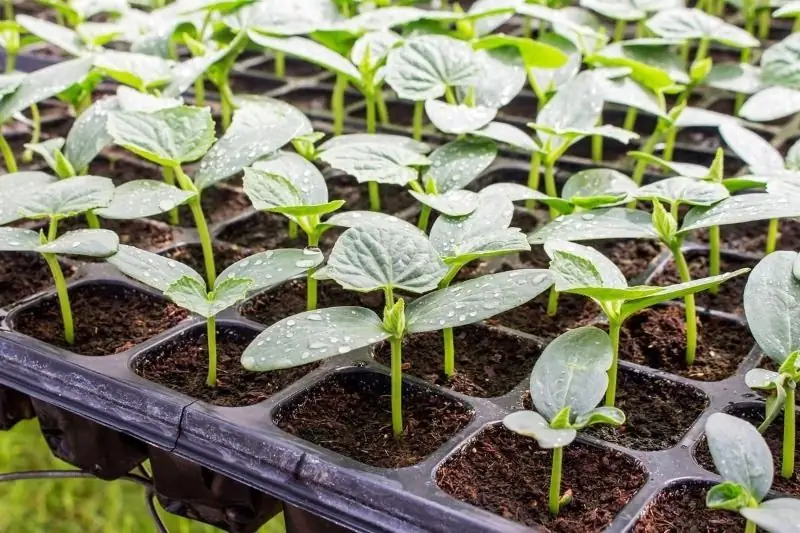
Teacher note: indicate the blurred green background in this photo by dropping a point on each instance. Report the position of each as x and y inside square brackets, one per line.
[75, 505]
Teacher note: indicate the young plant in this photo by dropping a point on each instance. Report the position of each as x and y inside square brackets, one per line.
[288, 184]
[188, 289]
[772, 308]
[780, 95]
[566, 384]
[744, 461]
[36, 195]
[387, 255]
[578, 269]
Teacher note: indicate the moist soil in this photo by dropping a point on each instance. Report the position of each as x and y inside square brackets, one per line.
[393, 197]
[109, 318]
[774, 437]
[25, 274]
[192, 255]
[573, 311]
[509, 475]
[145, 234]
[290, 299]
[182, 365]
[730, 297]
[121, 170]
[651, 420]
[350, 414]
[657, 338]
[682, 509]
[488, 362]
[268, 231]
[751, 237]
[219, 203]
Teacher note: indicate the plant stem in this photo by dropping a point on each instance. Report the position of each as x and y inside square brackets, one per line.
[63, 297]
[449, 352]
[787, 459]
[337, 104]
[11, 61]
[374, 196]
[749, 26]
[641, 165]
[534, 176]
[226, 104]
[691, 311]
[552, 302]
[397, 385]
[169, 179]
[374, 189]
[550, 183]
[639, 29]
[449, 95]
[555, 480]
[36, 134]
[311, 282]
[597, 144]
[713, 258]
[764, 20]
[92, 221]
[280, 65]
[750, 527]
[383, 111]
[673, 210]
[211, 328]
[796, 25]
[424, 216]
[611, 391]
[292, 229]
[8, 10]
[199, 223]
[8, 155]
[619, 30]
[772, 236]
[200, 91]
[419, 111]
[630, 118]
[669, 143]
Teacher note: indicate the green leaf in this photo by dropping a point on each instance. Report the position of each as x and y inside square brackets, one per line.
[272, 267]
[789, 9]
[475, 300]
[260, 126]
[14, 187]
[406, 143]
[18, 240]
[696, 117]
[88, 135]
[740, 453]
[457, 203]
[267, 191]
[47, 150]
[552, 79]
[793, 157]
[781, 515]
[369, 258]
[684, 23]
[393, 16]
[534, 54]
[508, 134]
[566, 25]
[612, 223]
[190, 293]
[502, 63]
[630, 93]
[577, 266]
[140, 71]
[487, 24]
[571, 372]
[303, 174]
[751, 148]
[456, 164]
[88, 242]
[312, 336]
[728, 496]
[143, 198]
[689, 170]
[379, 43]
[298, 17]
[381, 162]
[576, 106]
[739, 209]
[742, 78]
[184, 74]
[458, 119]
[683, 190]
[453, 237]
[424, 66]
[132, 100]
[598, 187]
[771, 103]
[55, 34]
[151, 269]
[629, 9]
[67, 198]
[532, 424]
[772, 305]
[652, 62]
[600, 415]
[780, 63]
[167, 137]
[10, 82]
[310, 51]
[775, 383]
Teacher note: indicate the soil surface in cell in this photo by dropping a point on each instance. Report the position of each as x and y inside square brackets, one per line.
[219, 203]
[145, 234]
[393, 198]
[122, 171]
[731, 293]
[509, 475]
[657, 338]
[488, 362]
[268, 231]
[573, 311]
[774, 437]
[290, 299]
[752, 236]
[683, 509]
[23, 275]
[351, 414]
[192, 255]
[182, 365]
[108, 319]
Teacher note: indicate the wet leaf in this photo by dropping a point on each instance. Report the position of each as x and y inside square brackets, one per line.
[598, 187]
[18, 240]
[684, 23]
[87, 242]
[453, 237]
[742, 78]
[771, 103]
[683, 190]
[752, 148]
[458, 119]
[88, 135]
[272, 267]
[739, 209]
[780, 515]
[611, 223]
[143, 198]
[629, 9]
[508, 134]
[780, 63]
[379, 161]
[67, 198]
[455, 203]
[310, 51]
[140, 71]
[456, 164]
[151, 269]
[532, 424]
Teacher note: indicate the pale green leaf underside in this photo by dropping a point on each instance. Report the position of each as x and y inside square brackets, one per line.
[86, 242]
[532, 424]
[612, 223]
[151, 269]
[18, 240]
[272, 267]
[143, 198]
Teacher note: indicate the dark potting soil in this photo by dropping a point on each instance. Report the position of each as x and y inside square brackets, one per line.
[509, 475]
[109, 318]
[268, 231]
[145, 234]
[219, 203]
[632, 256]
[182, 365]
[656, 338]
[488, 362]
[730, 297]
[393, 197]
[752, 236]
[121, 170]
[290, 299]
[192, 255]
[573, 311]
[774, 437]
[682, 509]
[350, 413]
[25, 274]
[651, 420]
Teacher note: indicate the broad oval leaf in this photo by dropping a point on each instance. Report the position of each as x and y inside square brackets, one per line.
[752, 148]
[740, 453]
[742, 78]
[457, 203]
[354, 219]
[517, 192]
[88, 135]
[450, 234]
[781, 515]
[378, 43]
[508, 134]
[532, 424]
[55, 34]
[68, 197]
[267, 191]
[312, 336]
[47, 150]
[88, 242]
[308, 50]
[140, 71]
[475, 300]
[151, 269]
[600, 415]
[684, 23]
[683, 190]
[780, 63]
[305, 176]
[272, 267]
[611, 223]
[571, 372]
[13, 188]
[576, 266]
[534, 54]
[18, 240]
[487, 24]
[629, 9]
[598, 187]
[501, 63]
[576, 106]
[458, 119]
[456, 164]
[375, 138]
[630, 93]
[741, 208]
[697, 117]
[381, 162]
[770, 104]
[133, 100]
[143, 198]
[368, 258]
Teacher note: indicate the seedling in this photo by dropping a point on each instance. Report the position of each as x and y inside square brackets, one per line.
[743, 459]
[771, 299]
[188, 289]
[780, 96]
[385, 255]
[36, 195]
[567, 382]
[583, 270]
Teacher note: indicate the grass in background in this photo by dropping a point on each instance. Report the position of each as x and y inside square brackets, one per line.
[75, 505]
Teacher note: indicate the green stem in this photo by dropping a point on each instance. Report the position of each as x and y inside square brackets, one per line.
[211, 328]
[611, 391]
[764, 20]
[8, 155]
[374, 196]
[796, 25]
[619, 30]
[691, 311]
[713, 258]
[419, 112]
[674, 209]
[292, 229]
[772, 236]
[555, 480]
[424, 216]
[11, 61]
[669, 143]
[550, 183]
[787, 460]
[552, 302]
[738, 102]
[383, 111]
[226, 104]
[597, 144]
[534, 175]
[337, 104]
[63, 297]
[639, 29]
[374, 189]
[36, 135]
[200, 224]
[169, 179]
[702, 49]
[311, 281]
[8, 10]
[641, 165]
[750, 527]
[449, 352]
[397, 385]
[200, 91]
[527, 28]
[280, 65]
[449, 95]
[92, 221]
[630, 118]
